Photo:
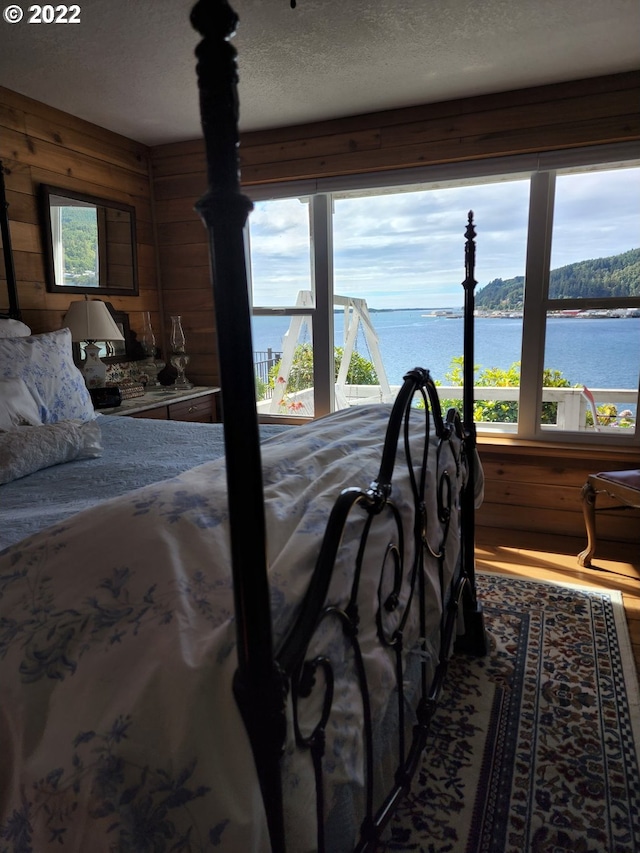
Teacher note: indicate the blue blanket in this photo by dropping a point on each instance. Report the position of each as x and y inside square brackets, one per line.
[136, 452]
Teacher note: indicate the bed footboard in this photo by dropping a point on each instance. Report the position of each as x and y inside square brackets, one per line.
[405, 588]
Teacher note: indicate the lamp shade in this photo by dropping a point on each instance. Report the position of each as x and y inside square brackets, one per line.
[90, 320]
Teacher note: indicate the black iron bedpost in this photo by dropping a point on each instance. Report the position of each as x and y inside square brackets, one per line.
[10, 271]
[474, 639]
[469, 285]
[258, 685]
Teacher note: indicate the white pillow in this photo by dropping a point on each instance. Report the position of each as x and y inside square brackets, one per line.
[13, 328]
[24, 450]
[17, 406]
[45, 363]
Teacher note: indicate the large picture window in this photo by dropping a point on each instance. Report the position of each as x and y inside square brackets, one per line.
[283, 299]
[593, 305]
[354, 285]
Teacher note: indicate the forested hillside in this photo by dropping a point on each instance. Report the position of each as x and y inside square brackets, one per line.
[618, 275]
[79, 227]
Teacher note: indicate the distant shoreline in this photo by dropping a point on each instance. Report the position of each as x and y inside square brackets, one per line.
[458, 313]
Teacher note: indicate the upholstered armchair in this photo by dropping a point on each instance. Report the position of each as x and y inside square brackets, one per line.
[622, 486]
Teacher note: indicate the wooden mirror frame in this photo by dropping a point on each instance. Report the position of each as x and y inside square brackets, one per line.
[107, 283]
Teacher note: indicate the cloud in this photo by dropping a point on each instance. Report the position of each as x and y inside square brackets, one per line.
[406, 248]
[596, 215]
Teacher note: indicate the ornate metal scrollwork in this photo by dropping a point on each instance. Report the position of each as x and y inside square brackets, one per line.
[400, 592]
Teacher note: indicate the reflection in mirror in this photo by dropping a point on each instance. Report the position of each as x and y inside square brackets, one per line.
[90, 243]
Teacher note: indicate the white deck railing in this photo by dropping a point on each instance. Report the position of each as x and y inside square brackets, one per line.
[571, 414]
[572, 403]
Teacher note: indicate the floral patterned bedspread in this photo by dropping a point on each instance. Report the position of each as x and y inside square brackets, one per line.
[118, 727]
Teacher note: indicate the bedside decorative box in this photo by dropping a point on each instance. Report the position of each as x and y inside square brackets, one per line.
[130, 389]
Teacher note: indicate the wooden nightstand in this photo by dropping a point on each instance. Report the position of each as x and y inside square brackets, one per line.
[197, 404]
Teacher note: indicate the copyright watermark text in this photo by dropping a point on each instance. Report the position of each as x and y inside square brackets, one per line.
[58, 14]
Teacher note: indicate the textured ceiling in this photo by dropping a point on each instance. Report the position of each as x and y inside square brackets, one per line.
[129, 66]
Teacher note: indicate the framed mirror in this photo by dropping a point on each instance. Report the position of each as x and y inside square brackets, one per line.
[89, 243]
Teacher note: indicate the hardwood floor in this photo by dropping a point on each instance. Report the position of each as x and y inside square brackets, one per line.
[553, 558]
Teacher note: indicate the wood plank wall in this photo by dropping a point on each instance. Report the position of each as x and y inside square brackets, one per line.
[587, 112]
[538, 488]
[183, 253]
[526, 489]
[39, 144]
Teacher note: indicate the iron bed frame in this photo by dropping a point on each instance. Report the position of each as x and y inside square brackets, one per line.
[13, 312]
[265, 675]
[268, 677]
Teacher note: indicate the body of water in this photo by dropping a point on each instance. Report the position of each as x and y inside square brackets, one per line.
[599, 353]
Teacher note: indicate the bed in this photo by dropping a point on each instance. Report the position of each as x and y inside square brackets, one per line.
[133, 452]
[242, 651]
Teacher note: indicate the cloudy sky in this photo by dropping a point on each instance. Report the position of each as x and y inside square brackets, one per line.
[405, 249]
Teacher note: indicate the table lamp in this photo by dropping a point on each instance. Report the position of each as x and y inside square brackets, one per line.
[90, 321]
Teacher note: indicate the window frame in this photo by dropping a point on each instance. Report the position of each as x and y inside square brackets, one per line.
[541, 169]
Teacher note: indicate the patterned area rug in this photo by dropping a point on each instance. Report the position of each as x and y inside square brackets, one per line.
[532, 748]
